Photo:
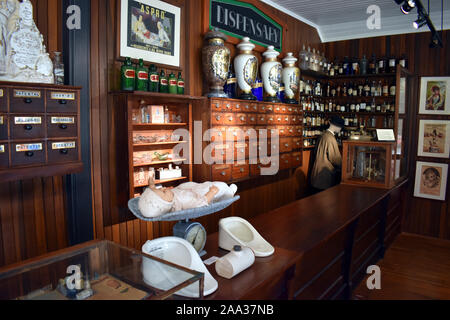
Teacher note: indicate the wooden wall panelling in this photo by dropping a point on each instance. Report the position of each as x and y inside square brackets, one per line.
[422, 216]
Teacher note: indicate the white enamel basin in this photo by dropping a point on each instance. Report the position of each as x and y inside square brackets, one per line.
[182, 253]
[237, 231]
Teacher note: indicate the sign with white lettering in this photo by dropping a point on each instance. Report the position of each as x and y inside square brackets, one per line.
[63, 145]
[240, 19]
[29, 147]
[63, 120]
[26, 94]
[27, 120]
[62, 95]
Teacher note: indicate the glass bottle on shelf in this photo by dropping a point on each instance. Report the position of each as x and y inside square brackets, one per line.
[163, 82]
[345, 66]
[58, 68]
[172, 83]
[382, 65]
[166, 115]
[392, 64]
[379, 89]
[127, 75]
[341, 68]
[392, 89]
[153, 85]
[231, 83]
[363, 64]
[373, 89]
[350, 89]
[141, 76]
[355, 67]
[314, 62]
[403, 61]
[310, 59]
[331, 69]
[373, 65]
[385, 89]
[180, 84]
[366, 88]
[304, 59]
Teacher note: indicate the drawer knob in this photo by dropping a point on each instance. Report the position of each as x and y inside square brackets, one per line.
[238, 106]
[286, 145]
[217, 105]
[64, 151]
[246, 107]
[28, 127]
[62, 101]
[63, 126]
[252, 119]
[242, 170]
[242, 118]
[217, 118]
[29, 154]
[230, 118]
[223, 173]
[28, 100]
[228, 106]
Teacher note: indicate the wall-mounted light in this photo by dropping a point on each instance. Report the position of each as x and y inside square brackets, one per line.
[420, 22]
[407, 6]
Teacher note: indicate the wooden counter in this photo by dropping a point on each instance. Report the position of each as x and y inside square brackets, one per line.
[333, 236]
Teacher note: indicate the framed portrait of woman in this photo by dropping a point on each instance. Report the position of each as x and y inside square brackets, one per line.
[433, 95]
[431, 180]
[434, 138]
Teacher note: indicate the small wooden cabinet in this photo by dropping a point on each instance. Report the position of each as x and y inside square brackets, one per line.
[371, 164]
[234, 127]
[39, 130]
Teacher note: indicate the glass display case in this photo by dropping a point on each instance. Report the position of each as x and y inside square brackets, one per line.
[369, 163]
[97, 270]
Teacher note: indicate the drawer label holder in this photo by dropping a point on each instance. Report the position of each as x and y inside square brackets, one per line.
[27, 94]
[27, 120]
[62, 95]
[63, 120]
[63, 145]
[29, 147]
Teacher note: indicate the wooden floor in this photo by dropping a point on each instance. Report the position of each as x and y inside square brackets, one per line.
[414, 268]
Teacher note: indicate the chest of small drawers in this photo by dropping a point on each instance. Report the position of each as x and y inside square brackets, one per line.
[39, 130]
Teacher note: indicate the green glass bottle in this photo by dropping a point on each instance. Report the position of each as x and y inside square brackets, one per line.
[141, 77]
[180, 84]
[127, 75]
[172, 83]
[163, 83]
[153, 84]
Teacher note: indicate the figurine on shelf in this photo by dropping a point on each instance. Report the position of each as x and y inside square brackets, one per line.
[156, 202]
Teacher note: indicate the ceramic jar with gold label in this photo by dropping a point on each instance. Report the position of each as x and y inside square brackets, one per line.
[271, 74]
[246, 69]
[216, 61]
[291, 78]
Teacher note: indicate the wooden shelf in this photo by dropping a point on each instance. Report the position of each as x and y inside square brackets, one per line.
[160, 182]
[158, 124]
[322, 75]
[360, 113]
[158, 162]
[157, 143]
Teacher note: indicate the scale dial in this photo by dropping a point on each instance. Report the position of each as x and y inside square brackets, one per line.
[192, 232]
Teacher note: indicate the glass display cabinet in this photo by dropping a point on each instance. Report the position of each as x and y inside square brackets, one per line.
[369, 163]
[97, 270]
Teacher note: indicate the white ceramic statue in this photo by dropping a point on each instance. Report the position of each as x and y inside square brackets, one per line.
[156, 202]
[23, 56]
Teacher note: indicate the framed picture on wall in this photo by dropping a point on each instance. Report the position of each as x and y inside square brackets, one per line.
[434, 97]
[150, 29]
[431, 180]
[434, 138]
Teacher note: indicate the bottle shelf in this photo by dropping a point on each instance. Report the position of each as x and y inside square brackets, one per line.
[347, 113]
[140, 125]
[160, 182]
[158, 162]
[322, 75]
[352, 98]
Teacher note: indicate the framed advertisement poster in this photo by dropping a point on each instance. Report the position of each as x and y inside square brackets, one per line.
[150, 29]
[431, 180]
[434, 138]
[434, 97]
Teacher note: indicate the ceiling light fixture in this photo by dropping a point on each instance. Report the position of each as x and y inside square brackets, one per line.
[420, 22]
[407, 6]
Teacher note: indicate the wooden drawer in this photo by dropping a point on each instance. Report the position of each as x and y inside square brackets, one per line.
[223, 118]
[27, 100]
[3, 99]
[229, 118]
[237, 106]
[294, 119]
[297, 143]
[283, 131]
[62, 126]
[240, 171]
[62, 151]
[299, 131]
[269, 108]
[277, 108]
[221, 172]
[283, 109]
[296, 159]
[285, 145]
[219, 152]
[261, 119]
[27, 126]
[285, 161]
[4, 155]
[24, 154]
[286, 119]
[62, 101]
[252, 119]
[270, 119]
[263, 108]
[218, 133]
[216, 105]
[241, 150]
[3, 127]
[249, 107]
[241, 118]
[290, 131]
[290, 109]
[278, 119]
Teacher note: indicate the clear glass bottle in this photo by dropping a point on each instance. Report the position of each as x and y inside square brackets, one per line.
[58, 68]
[304, 59]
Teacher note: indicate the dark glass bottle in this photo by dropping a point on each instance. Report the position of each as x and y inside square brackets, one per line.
[346, 66]
[127, 75]
[367, 88]
[141, 77]
[373, 65]
[280, 93]
[172, 83]
[344, 89]
[363, 64]
[163, 82]
[153, 85]
[180, 84]
[382, 65]
[257, 89]
[392, 64]
[403, 61]
[231, 83]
